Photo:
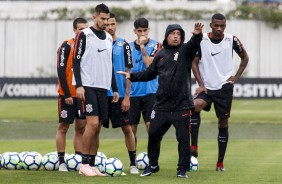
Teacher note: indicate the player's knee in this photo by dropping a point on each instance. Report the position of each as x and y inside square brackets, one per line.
[80, 130]
[63, 128]
[127, 130]
[223, 123]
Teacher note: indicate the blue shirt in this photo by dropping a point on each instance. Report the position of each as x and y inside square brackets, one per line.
[143, 88]
[121, 60]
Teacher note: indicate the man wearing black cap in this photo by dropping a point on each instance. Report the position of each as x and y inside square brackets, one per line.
[174, 103]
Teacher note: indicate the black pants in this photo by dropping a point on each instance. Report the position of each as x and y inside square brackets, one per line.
[159, 125]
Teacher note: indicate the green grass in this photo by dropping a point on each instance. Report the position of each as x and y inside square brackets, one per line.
[243, 111]
[246, 162]
[253, 154]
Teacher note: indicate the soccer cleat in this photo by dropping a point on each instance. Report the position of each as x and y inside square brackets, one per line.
[86, 170]
[219, 167]
[182, 174]
[123, 174]
[134, 170]
[194, 151]
[150, 170]
[63, 167]
[96, 170]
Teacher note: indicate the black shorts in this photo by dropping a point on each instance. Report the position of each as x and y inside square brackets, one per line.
[96, 102]
[138, 105]
[67, 113]
[222, 100]
[116, 115]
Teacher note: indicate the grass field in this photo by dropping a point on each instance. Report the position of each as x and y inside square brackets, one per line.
[253, 155]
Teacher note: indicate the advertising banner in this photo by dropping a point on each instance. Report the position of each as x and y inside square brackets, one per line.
[32, 88]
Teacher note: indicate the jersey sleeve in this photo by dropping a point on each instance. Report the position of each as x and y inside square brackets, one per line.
[237, 45]
[127, 55]
[79, 48]
[62, 59]
[157, 47]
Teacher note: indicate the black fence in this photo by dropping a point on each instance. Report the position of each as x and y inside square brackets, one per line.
[41, 88]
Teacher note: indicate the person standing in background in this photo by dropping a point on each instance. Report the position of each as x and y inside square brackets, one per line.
[119, 112]
[212, 68]
[142, 94]
[69, 107]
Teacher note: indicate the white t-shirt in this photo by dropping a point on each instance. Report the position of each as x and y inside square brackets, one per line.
[216, 62]
[96, 62]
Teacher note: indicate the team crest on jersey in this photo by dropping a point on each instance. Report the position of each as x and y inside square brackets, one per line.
[90, 35]
[64, 114]
[151, 45]
[153, 114]
[89, 108]
[120, 43]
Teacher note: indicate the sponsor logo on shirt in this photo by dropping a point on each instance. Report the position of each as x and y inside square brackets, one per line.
[101, 50]
[62, 57]
[79, 49]
[213, 54]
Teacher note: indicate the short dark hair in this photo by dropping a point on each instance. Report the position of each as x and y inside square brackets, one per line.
[112, 15]
[218, 16]
[141, 23]
[101, 8]
[78, 20]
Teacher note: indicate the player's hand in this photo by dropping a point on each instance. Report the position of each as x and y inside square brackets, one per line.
[199, 90]
[142, 40]
[69, 101]
[125, 104]
[80, 93]
[126, 74]
[232, 79]
[198, 28]
[115, 97]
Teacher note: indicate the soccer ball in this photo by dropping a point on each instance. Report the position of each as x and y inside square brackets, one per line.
[73, 162]
[50, 161]
[113, 167]
[100, 161]
[194, 164]
[142, 160]
[32, 161]
[12, 161]
[0, 161]
[23, 154]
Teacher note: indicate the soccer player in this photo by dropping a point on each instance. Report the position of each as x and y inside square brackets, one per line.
[212, 68]
[118, 112]
[174, 103]
[92, 66]
[69, 107]
[142, 94]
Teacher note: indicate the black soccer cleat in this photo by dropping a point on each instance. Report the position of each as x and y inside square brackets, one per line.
[182, 174]
[150, 170]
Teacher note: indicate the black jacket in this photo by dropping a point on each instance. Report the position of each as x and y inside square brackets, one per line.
[173, 66]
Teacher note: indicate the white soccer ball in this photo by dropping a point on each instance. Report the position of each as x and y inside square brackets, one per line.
[12, 161]
[194, 164]
[73, 162]
[50, 161]
[113, 167]
[142, 160]
[100, 161]
[23, 154]
[32, 161]
[1, 161]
